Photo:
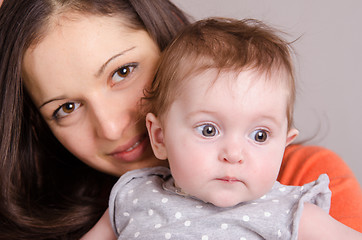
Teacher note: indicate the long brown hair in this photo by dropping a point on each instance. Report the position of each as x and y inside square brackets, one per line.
[46, 193]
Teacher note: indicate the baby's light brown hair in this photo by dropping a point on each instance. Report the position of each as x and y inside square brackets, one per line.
[224, 44]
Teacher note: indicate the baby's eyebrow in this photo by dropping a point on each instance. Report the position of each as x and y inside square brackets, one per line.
[270, 118]
[101, 69]
[197, 112]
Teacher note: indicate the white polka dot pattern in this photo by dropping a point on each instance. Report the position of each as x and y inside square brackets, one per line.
[178, 215]
[150, 209]
[224, 226]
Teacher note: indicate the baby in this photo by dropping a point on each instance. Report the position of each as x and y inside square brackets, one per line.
[221, 112]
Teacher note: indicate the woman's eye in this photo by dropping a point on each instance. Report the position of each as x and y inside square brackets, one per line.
[207, 130]
[122, 73]
[259, 135]
[66, 109]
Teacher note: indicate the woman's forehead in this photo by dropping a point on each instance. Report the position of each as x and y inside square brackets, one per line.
[79, 48]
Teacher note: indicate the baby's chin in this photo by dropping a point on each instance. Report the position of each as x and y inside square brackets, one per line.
[225, 198]
[224, 201]
[225, 204]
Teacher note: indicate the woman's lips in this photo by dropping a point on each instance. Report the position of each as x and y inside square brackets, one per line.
[132, 151]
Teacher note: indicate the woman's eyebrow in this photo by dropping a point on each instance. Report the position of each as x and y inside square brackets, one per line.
[100, 71]
[51, 100]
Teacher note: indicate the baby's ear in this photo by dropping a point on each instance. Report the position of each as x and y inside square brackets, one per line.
[291, 135]
[155, 133]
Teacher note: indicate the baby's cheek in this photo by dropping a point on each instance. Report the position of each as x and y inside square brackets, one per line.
[266, 181]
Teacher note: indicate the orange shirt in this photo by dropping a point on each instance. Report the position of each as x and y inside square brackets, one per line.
[303, 164]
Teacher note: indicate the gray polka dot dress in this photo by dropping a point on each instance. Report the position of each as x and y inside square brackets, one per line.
[144, 204]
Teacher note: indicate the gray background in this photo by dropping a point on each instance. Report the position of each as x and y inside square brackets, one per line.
[328, 63]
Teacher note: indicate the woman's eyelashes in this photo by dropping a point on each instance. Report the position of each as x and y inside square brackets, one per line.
[65, 109]
[207, 130]
[123, 72]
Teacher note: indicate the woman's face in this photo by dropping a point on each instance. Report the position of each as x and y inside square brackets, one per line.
[86, 77]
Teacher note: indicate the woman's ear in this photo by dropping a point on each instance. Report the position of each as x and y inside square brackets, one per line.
[155, 133]
[291, 135]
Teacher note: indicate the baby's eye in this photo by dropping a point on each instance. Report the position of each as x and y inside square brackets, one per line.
[207, 130]
[259, 135]
[122, 73]
[66, 109]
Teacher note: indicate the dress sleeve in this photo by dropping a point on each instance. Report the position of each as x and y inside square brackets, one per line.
[303, 164]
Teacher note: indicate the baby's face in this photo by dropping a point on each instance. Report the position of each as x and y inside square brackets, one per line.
[225, 141]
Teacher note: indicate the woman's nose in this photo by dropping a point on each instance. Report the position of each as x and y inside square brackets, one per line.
[110, 123]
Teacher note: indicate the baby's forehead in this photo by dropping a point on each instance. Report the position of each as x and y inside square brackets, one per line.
[214, 76]
[237, 86]
[236, 94]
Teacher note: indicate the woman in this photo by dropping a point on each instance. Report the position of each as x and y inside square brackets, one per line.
[72, 72]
